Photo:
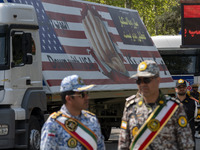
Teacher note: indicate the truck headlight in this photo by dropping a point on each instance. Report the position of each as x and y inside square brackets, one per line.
[3, 129]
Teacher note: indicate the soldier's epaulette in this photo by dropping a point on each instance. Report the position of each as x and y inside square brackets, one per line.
[130, 100]
[55, 115]
[88, 112]
[167, 97]
[175, 100]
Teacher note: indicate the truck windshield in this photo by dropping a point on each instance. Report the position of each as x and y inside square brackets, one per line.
[3, 53]
[3, 59]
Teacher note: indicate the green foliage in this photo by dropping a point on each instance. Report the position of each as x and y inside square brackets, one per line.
[118, 3]
[161, 17]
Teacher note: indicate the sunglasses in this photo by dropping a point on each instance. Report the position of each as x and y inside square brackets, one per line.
[144, 80]
[81, 94]
[181, 87]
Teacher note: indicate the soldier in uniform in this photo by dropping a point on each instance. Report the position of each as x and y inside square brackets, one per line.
[189, 103]
[194, 92]
[72, 127]
[152, 120]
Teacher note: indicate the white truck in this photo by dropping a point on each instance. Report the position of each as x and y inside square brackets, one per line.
[42, 41]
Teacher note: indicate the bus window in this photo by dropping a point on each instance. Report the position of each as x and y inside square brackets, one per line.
[180, 64]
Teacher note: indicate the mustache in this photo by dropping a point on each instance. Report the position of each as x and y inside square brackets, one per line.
[181, 93]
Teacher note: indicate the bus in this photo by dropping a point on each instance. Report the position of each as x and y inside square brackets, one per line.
[182, 62]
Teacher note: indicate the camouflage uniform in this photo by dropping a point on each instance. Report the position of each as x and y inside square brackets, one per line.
[171, 137]
[190, 107]
[54, 137]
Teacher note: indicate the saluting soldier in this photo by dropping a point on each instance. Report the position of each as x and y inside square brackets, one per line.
[72, 127]
[151, 120]
[194, 92]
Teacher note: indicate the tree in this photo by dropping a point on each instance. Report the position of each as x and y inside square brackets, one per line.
[160, 16]
[170, 22]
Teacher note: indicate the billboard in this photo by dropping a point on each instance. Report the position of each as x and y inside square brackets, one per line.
[190, 24]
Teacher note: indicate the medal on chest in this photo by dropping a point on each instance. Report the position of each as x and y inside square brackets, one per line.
[71, 125]
[72, 142]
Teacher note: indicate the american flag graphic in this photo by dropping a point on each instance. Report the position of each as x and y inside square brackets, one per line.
[66, 49]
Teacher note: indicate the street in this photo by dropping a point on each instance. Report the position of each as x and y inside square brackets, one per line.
[197, 144]
[112, 143]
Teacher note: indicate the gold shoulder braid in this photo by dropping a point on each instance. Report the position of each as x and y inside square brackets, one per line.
[88, 112]
[55, 115]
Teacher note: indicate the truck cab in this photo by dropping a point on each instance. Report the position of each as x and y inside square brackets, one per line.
[22, 98]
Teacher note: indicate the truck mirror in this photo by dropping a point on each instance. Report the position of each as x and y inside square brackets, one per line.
[29, 59]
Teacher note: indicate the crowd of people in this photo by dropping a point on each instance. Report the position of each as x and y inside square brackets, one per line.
[151, 120]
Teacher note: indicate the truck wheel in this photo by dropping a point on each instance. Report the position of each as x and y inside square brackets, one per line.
[106, 131]
[34, 133]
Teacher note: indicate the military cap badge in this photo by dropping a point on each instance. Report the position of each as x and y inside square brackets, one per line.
[180, 81]
[142, 66]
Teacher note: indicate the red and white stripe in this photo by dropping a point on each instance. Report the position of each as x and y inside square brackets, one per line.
[77, 45]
